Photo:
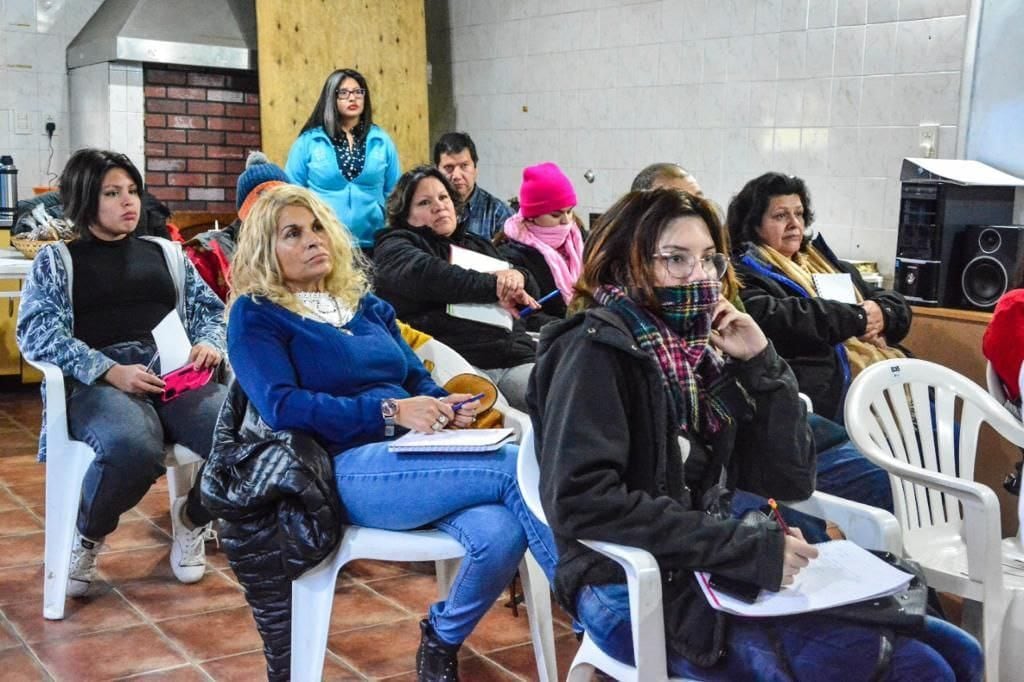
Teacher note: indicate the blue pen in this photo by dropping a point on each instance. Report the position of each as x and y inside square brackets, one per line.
[458, 406]
[547, 297]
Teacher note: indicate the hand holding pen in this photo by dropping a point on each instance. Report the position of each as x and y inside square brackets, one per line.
[796, 553]
[529, 310]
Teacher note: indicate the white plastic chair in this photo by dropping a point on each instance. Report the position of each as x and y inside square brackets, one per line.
[902, 415]
[66, 463]
[313, 592]
[867, 526]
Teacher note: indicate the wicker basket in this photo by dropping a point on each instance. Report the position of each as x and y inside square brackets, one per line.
[30, 247]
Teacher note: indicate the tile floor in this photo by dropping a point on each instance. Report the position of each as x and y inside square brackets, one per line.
[143, 624]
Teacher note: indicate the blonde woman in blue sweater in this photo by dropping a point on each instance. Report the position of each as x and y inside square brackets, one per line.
[314, 350]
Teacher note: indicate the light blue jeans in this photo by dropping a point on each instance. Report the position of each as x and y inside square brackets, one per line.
[474, 497]
[815, 647]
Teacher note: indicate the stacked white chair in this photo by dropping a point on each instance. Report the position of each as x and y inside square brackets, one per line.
[67, 461]
[905, 415]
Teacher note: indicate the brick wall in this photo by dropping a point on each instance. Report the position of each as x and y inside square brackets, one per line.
[200, 125]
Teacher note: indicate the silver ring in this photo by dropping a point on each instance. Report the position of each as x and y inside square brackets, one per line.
[441, 419]
[436, 426]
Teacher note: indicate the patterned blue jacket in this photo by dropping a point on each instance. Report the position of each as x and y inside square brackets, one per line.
[46, 320]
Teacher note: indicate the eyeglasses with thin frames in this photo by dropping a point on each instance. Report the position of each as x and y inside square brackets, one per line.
[681, 265]
[342, 93]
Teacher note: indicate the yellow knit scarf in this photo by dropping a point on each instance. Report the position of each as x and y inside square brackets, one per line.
[800, 269]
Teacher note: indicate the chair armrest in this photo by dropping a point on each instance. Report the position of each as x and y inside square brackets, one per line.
[643, 578]
[869, 527]
[56, 424]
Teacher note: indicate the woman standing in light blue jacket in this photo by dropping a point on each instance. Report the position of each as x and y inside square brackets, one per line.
[347, 160]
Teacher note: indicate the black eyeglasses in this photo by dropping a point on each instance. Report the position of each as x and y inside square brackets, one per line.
[342, 93]
[681, 265]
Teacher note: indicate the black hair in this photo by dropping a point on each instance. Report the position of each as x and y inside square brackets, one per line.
[399, 203]
[747, 208]
[646, 178]
[325, 113]
[453, 143]
[81, 183]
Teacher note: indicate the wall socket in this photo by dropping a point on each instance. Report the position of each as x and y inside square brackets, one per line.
[928, 140]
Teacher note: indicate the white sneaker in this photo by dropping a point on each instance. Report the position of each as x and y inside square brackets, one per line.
[83, 564]
[188, 548]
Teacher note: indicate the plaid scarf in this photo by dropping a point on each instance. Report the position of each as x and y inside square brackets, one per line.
[678, 341]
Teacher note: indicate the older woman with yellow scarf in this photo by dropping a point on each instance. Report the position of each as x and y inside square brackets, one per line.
[826, 342]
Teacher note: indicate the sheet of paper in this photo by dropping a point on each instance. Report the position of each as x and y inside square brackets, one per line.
[843, 573]
[960, 171]
[171, 342]
[452, 440]
[836, 287]
[471, 260]
[487, 313]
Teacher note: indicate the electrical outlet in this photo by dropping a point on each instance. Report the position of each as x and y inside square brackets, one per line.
[928, 139]
[49, 124]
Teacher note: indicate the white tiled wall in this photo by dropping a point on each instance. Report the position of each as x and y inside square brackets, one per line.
[831, 90]
[34, 84]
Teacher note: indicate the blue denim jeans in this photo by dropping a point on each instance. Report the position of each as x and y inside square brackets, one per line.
[815, 647]
[474, 497]
[128, 433]
[844, 471]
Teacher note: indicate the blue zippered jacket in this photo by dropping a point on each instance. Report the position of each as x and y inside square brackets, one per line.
[359, 203]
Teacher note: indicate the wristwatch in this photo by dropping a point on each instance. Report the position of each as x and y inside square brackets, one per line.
[389, 411]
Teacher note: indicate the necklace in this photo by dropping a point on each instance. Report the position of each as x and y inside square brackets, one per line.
[326, 307]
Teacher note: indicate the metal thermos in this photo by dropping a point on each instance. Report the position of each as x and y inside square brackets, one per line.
[8, 191]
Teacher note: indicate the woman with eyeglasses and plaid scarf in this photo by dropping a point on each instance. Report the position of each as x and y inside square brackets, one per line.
[650, 405]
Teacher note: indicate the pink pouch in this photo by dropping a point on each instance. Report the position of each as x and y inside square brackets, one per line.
[184, 379]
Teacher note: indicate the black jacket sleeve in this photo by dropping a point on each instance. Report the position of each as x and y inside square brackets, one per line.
[895, 308]
[401, 264]
[774, 453]
[584, 444]
[796, 324]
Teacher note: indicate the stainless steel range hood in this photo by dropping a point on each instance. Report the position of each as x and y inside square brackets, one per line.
[210, 33]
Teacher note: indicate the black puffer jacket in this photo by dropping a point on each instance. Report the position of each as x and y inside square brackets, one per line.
[413, 273]
[280, 514]
[806, 330]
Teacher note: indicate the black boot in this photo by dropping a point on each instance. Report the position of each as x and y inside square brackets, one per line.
[435, 660]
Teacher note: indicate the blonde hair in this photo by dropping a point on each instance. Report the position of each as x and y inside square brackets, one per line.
[255, 269]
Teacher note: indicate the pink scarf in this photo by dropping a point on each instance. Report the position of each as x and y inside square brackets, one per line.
[565, 261]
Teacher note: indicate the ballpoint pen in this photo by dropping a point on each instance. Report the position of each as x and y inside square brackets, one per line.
[458, 406]
[778, 516]
[523, 312]
[152, 362]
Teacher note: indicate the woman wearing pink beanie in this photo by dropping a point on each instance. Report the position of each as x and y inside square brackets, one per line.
[544, 238]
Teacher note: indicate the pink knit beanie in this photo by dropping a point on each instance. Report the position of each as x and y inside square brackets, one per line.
[545, 189]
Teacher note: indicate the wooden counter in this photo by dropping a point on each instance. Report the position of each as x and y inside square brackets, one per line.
[953, 338]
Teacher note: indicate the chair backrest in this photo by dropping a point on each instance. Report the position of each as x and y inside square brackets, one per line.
[912, 414]
[528, 474]
[995, 384]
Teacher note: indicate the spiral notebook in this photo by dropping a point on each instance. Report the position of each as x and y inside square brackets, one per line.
[453, 440]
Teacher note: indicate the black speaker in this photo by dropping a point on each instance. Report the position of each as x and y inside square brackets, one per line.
[991, 256]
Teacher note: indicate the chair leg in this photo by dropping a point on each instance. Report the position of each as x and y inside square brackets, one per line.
[445, 570]
[63, 493]
[538, 611]
[582, 672]
[180, 480]
[992, 624]
[311, 619]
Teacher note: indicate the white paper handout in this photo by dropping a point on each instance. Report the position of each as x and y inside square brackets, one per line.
[171, 342]
[836, 287]
[843, 573]
[487, 313]
[453, 440]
